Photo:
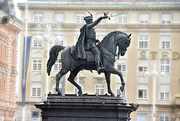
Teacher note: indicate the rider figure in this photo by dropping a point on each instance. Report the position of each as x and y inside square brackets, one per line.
[87, 40]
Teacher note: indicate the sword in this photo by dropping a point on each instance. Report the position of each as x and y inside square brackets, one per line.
[111, 15]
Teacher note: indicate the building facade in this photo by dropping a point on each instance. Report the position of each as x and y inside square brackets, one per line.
[153, 55]
[8, 65]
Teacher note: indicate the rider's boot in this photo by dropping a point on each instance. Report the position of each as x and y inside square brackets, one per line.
[100, 69]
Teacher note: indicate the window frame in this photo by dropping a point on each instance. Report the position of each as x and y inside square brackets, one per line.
[99, 89]
[39, 16]
[81, 17]
[123, 19]
[36, 86]
[59, 20]
[122, 69]
[61, 41]
[165, 40]
[37, 65]
[143, 88]
[139, 115]
[58, 63]
[164, 66]
[144, 21]
[38, 44]
[144, 64]
[164, 92]
[143, 41]
[164, 116]
[164, 21]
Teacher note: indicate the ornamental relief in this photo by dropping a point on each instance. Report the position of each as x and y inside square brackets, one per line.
[36, 76]
[14, 43]
[4, 69]
[14, 72]
[36, 53]
[4, 38]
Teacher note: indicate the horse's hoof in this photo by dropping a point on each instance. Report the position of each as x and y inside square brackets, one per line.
[112, 95]
[80, 93]
[59, 93]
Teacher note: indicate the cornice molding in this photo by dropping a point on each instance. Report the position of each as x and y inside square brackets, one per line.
[73, 26]
[53, 5]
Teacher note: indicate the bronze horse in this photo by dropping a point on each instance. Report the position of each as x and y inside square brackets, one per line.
[108, 48]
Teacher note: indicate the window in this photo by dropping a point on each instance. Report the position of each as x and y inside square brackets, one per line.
[141, 117]
[99, 89]
[121, 67]
[38, 17]
[58, 65]
[37, 41]
[166, 18]
[79, 18]
[144, 18]
[58, 39]
[164, 117]
[35, 116]
[36, 89]
[100, 15]
[123, 19]
[164, 92]
[165, 65]
[142, 91]
[142, 66]
[165, 42]
[59, 17]
[143, 41]
[37, 65]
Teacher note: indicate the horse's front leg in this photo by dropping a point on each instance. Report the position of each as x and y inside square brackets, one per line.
[111, 69]
[108, 81]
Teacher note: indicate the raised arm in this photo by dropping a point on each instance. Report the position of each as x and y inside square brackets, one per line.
[97, 21]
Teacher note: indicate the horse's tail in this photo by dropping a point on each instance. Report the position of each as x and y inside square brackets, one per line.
[53, 54]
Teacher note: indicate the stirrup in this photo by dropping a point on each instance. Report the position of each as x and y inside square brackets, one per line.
[100, 69]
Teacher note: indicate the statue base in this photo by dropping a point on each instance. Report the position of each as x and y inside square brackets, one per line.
[85, 108]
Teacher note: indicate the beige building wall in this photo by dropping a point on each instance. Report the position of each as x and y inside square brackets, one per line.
[144, 52]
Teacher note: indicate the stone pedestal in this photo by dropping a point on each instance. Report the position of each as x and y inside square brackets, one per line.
[85, 108]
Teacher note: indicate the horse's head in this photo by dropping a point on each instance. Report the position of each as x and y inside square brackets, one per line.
[123, 41]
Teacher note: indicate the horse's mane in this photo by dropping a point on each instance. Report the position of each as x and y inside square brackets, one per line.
[108, 36]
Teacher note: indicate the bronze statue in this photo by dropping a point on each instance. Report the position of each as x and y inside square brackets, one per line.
[89, 56]
[87, 40]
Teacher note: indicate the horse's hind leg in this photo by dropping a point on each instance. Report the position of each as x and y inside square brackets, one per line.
[71, 79]
[58, 77]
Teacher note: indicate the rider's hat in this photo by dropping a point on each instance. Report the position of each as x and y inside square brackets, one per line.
[88, 17]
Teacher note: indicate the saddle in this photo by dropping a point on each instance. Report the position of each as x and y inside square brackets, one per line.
[90, 57]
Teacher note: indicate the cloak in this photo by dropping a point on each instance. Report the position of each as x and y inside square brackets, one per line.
[79, 51]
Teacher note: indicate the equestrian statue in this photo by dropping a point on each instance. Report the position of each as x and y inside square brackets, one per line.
[90, 54]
